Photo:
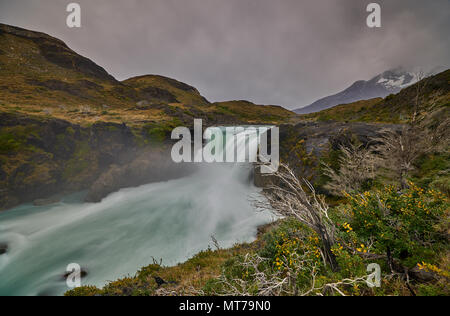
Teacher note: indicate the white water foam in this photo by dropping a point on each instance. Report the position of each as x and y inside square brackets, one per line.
[114, 238]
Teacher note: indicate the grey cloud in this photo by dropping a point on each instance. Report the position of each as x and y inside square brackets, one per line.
[287, 52]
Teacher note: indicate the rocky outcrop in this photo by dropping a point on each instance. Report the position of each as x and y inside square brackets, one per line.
[41, 158]
[49, 156]
[150, 166]
[261, 180]
[44, 202]
[303, 145]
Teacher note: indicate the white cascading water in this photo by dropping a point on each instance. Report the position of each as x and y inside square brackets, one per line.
[170, 220]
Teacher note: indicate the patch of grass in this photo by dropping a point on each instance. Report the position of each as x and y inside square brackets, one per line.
[9, 143]
[159, 132]
[13, 139]
[81, 161]
[433, 171]
[194, 273]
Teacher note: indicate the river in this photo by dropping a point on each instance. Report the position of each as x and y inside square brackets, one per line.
[170, 220]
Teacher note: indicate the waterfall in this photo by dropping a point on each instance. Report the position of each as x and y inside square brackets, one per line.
[170, 220]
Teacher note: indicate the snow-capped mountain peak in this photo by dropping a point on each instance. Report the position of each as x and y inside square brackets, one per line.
[382, 85]
[396, 79]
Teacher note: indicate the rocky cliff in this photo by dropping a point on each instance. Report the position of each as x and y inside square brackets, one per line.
[67, 125]
[44, 157]
[304, 146]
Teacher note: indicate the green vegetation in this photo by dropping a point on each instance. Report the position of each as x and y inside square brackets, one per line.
[37, 80]
[9, 143]
[159, 132]
[43, 81]
[80, 162]
[433, 171]
[188, 277]
[406, 229]
[362, 111]
[14, 139]
[166, 88]
[410, 225]
[250, 113]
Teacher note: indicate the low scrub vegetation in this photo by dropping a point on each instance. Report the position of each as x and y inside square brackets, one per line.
[382, 219]
[404, 232]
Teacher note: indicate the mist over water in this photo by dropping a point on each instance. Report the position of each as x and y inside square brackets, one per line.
[170, 220]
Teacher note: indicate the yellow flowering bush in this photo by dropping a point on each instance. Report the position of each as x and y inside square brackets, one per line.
[292, 244]
[405, 223]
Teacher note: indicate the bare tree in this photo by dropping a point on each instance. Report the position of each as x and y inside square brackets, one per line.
[397, 151]
[356, 167]
[288, 198]
[266, 282]
[422, 82]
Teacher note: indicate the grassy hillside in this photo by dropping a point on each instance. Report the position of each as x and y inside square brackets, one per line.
[394, 108]
[252, 113]
[41, 75]
[160, 88]
[65, 122]
[62, 113]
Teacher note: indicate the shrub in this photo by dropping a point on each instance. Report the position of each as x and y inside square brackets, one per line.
[9, 143]
[407, 224]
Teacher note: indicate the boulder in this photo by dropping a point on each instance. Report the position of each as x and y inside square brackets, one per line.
[143, 103]
[261, 180]
[3, 248]
[422, 276]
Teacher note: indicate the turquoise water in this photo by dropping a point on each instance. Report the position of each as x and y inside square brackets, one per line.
[170, 220]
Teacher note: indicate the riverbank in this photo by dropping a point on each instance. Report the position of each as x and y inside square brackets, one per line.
[187, 278]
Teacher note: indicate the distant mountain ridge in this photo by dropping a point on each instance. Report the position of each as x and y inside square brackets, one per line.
[380, 86]
[396, 108]
[67, 125]
[41, 76]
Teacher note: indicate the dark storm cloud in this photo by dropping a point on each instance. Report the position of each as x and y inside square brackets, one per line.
[287, 52]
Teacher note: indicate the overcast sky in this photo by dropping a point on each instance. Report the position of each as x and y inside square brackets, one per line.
[285, 52]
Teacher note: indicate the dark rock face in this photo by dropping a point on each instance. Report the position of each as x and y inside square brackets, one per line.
[63, 158]
[148, 167]
[317, 136]
[79, 89]
[422, 275]
[302, 145]
[115, 143]
[106, 157]
[260, 180]
[102, 158]
[3, 175]
[153, 93]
